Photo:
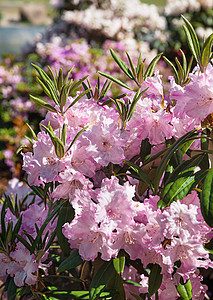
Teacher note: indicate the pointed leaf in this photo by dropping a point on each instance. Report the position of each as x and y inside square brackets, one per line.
[207, 50]
[151, 67]
[206, 200]
[66, 214]
[78, 98]
[116, 80]
[43, 104]
[182, 186]
[155, 279]
[192, 39]
[165, 160]
[11, 290]
[44, 225]
[131, 65]
[185, 290]
[73, 261]
[60, 80]
[173, 68]
[101, 279]
[119, 264]
[122, 65]
[143, 176]
[75, 138]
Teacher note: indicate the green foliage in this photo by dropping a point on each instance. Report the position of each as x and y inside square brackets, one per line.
[206, 199]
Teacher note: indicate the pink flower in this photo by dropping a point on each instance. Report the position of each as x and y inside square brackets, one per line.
[69, 183]
[25, 267]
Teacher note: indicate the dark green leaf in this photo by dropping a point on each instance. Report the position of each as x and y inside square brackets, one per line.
[75, 138]
[11, 290]
[44, 225]
[116, 283]
[66, 214]
[192, 39]
[71, 262]
[182, 186]
[173, 68]
[165, 160]
[122, 65]
[143, 176]
[137, 97]
[60, 80]
[151, 67]
[206, 52]
[155, 279]
[43, 104]
[101, 279]
[25, 243]
[206, 201]
[116, 80]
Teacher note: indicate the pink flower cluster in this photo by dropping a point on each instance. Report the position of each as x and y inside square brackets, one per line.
[103, 142]
[108, 219]
[18, 262]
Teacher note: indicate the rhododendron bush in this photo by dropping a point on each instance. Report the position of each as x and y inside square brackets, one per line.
[117, 202]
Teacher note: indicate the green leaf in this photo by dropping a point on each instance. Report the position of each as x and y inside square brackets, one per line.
[192, 39]
[76, 85]
[137, 97]
[190, 163]
[122, 65]
[71, 262]
[78, 98]
[75, 138]
[145, 150]
[165, 160]
[182, 186]
[44, 225]
[43, 104]
[184, 63]
[116, 283]
[206, 200]
[135, 296]
[143, 176]
[44, 87]
[11, 290]
[119, 264]
[107, 294]
[25, 243]
[180, 69]
[53, 76]
[3, 227]
[16, 229]
[60, 80]
[63, 97]
[185, 289]
[116, 80]
[66, 214]
[67, 75]
[32, 132]
[151, 67]
[206, 52]
[59, 147]
[131, 65]
[101, 279]
[155, 279]
[173, 68]
[106, 87]
[9, 233]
